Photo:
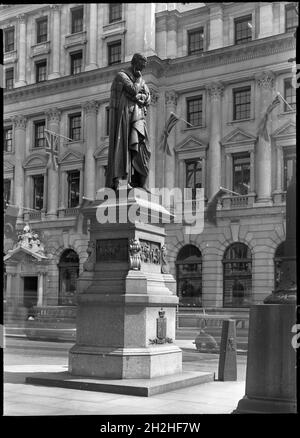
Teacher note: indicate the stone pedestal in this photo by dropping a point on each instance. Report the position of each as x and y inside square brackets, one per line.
[126, 314]
[271, 366]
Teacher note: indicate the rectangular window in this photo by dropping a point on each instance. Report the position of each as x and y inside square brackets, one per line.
[75, 126]
[241, 103]
[41, 30]
[194, 111]
[243, 29]
[9, 79]
[241, 173]
[8, 139]
[289, 166]
[291, 18]
[289, 95]
[7, 188]
[9, 39]
[77, 20]
[76, 63]
[107, 120]
[114, 53]
[195, 41]
[193, 172]
[115, 12]
[41, 71]
[39, 134]
[73, 188]
[38, 192]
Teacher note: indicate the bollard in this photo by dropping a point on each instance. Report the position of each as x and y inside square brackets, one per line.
[227, 361]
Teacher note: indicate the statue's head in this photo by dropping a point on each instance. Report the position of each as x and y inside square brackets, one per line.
[138, 61]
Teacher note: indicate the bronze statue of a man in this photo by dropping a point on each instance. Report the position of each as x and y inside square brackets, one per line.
[129, 151]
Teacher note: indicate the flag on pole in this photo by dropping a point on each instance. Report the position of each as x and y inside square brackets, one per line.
[52, 148]
[171, 122]
[262, 127]
[10, 219]
[211, 211]
[81, 224]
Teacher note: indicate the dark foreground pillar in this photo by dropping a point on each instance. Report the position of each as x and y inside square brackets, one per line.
[271, 366]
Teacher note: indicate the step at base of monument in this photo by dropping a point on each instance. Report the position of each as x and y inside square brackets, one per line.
[138, 387]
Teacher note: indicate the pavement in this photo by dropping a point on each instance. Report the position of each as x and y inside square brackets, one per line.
[23, 357]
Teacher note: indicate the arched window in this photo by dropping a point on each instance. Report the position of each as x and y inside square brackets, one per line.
[68, 272]
[278, 258]
[237, 275]
[189, 276]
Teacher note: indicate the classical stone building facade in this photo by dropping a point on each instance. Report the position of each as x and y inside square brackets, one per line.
[218, 65]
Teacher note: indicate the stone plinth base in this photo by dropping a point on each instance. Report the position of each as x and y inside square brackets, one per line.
[271, 365]
[125, 363]
[138, 387]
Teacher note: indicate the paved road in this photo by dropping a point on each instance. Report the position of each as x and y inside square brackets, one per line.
[23, 356]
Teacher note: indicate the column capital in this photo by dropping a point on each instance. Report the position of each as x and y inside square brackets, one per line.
[171, 97]
[53, 115]
[21, 18]
[91, 107]
[215, 90]
[154, 96]
[19, 122]
[265, 79]
[55, 6]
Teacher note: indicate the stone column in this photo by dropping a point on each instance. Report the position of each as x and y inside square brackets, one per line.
[53, 118]
[62, 198]
[92, 38]
[40, 289]
[215, 91]
[91, 141]
[55, 73]
[152, 129]
[265, 19]
[169, 160]
[172, 36]
[263, 148]
[279, 176]
[21, 51]
[8, 287]
[252, 172]
[19, 123]
[149, 29]
[216, 26]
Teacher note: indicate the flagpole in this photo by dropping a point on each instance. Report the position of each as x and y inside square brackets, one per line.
[230, 191]
[279, 94]
[22, 206]
[59, 135]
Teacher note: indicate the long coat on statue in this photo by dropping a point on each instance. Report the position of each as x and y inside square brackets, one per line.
[124, 129]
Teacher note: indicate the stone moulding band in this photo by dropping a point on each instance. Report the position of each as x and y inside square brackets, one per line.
[118, 351]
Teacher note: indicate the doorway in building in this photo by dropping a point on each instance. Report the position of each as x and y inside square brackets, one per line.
[30, 292]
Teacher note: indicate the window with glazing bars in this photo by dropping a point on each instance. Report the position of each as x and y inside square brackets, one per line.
[41, 30]
[38, 192]
[194, 111]
[73, 188]
[241, 103]
[289, 95]
[241, 173]
[195, 41]
[291, 18]
[114, 53]
[41, 71]
[6, 193]
[115, 12]
[77, 20]
[75, 126]
[7, 139]
[243, 29]
[9, 39]
[76, 63]
[39, 134]
[9, 78]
